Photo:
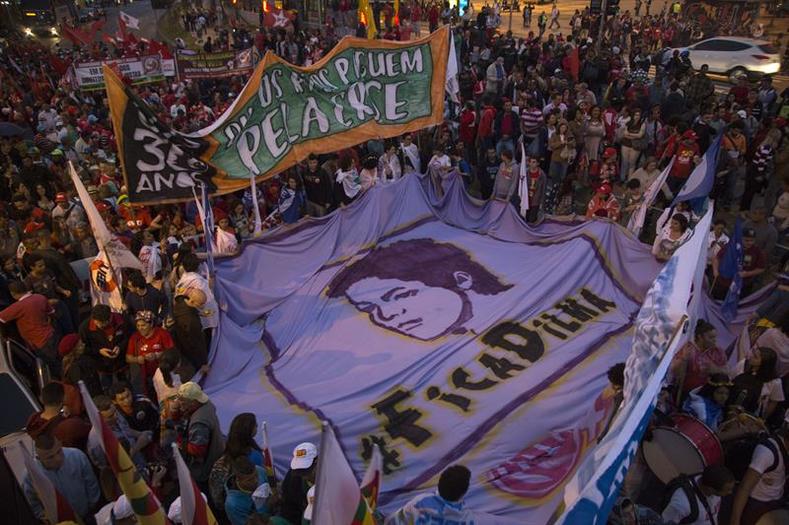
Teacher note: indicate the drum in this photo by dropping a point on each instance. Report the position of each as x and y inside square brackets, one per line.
[740, 426]
[684, 448]
[775, 517]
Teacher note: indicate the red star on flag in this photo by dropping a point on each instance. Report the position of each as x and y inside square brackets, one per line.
[278, 18]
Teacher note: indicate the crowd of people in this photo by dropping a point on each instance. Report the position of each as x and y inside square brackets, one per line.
[594, 122]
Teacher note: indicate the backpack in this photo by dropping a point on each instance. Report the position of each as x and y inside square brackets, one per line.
[686, 484]
[739, 453]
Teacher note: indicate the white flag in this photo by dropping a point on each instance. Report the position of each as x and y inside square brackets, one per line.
[451, 85]
[523, 183]
[636, 221]
[119, 255]
[129, 20]
[105, 283]
[255, 205]
[338, 498]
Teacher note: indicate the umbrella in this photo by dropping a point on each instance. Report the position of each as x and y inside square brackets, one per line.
[7, 129]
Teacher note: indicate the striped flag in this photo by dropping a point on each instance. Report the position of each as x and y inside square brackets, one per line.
[146, 507]
[56, 508]
[371, 482]
[194, 509]
[268, 457]
[338, 498]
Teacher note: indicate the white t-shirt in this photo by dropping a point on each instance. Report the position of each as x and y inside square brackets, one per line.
[679, 507]
[771, 391]
[771, 485]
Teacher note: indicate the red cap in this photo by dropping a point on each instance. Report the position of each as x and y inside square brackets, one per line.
[33, 226]
[61, 197]
[690, 135]
[609, 152]
[102, 206]
[604, 189]
[219, 214]
[68, 344]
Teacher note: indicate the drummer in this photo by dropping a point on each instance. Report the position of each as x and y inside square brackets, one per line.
[698, 359]
[762, 488]
[698, 500]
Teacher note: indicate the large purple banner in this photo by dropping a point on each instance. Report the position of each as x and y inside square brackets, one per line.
[443, 330]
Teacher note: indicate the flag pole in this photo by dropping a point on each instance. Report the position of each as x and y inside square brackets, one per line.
[321, 458]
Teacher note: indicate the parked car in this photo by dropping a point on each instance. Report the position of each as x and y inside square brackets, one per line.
[734, 56]
[22, 375]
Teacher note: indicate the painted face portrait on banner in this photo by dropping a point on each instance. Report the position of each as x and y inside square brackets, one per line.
[419, 288]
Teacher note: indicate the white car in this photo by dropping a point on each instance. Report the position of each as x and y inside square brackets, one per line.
[734, 56]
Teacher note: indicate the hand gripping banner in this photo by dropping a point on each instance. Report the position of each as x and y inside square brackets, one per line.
[363, 89]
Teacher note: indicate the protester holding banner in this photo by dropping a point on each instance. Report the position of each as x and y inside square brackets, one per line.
[318, 133]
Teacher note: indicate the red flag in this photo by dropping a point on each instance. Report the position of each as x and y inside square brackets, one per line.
[95, 27]
[278, 18]
[58, 65]
[56, 508]
[76, 36]
[194, 510]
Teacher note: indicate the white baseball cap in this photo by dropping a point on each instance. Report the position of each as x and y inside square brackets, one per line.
[174, 513]
[303, 456]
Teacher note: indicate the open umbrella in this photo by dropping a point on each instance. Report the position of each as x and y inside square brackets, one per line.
[7, 129]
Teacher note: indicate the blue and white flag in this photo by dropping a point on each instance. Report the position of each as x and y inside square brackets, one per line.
[730, 268]
[702, 178]
[591, 493]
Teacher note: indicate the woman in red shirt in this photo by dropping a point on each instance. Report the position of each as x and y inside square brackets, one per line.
[145, 348]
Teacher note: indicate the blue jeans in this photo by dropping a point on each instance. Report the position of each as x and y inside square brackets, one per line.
[557, 171]
[503, 144]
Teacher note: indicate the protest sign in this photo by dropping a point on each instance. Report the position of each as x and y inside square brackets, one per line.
[193, 65]
[363, 89]
[140, 70]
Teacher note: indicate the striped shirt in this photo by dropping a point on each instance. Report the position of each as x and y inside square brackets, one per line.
[531, 121]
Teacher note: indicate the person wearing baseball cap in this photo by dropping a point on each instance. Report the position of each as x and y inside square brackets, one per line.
[205, 443]
[603, 204]
[298, 481]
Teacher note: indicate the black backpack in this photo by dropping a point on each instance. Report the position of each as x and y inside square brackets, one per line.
[686, 484]
[740, 453]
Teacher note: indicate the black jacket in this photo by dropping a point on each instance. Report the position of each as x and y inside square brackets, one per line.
[190, 340]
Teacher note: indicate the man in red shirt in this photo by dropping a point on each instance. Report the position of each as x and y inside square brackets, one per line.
[146, 347]
[686, 157]
[754, 263]
[468, 124]
[31, 313]
[485, 129]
